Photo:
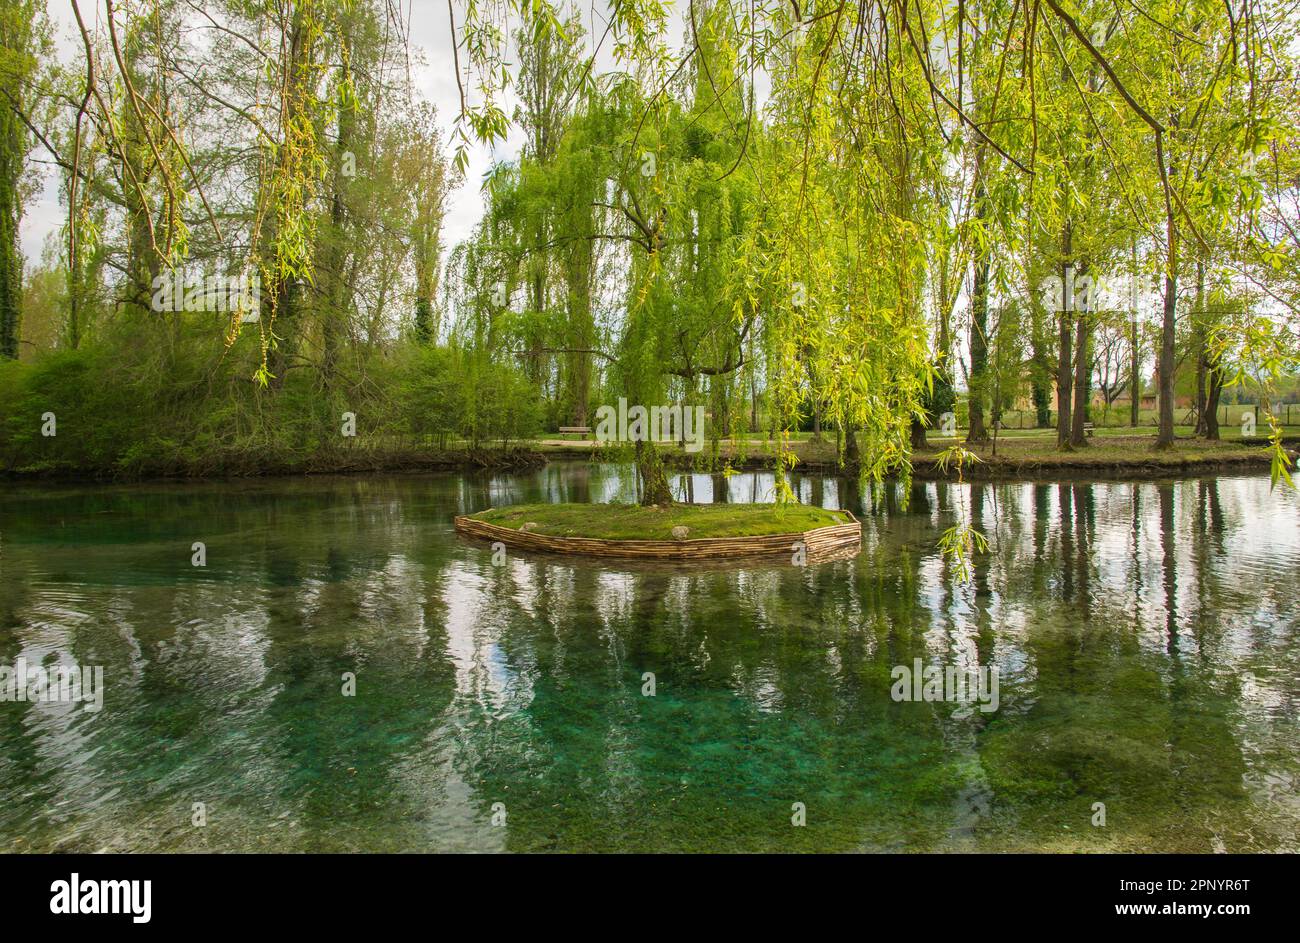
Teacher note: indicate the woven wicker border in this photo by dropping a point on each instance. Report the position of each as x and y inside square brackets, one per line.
[832, 540]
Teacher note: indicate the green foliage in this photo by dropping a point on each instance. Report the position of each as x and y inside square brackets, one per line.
[123, 411]
[450, 394]
[792, 216]
[958, 544]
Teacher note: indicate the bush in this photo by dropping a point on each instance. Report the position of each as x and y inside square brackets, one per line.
[158, 398]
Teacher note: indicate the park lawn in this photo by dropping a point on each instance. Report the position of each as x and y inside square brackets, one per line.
[633, 522]
[1226, 433]
[1118, 449]
[1103, 450]
[1108, 453]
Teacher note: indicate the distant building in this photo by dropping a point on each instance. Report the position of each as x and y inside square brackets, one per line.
[1146, 402]
[1121, 402]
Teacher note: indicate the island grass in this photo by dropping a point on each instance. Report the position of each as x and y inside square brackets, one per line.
[632, 522]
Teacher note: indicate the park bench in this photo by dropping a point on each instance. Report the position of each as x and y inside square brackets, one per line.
[581, 430]
[1087, 429]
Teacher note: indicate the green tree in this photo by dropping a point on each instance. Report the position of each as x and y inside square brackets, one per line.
[20, 42]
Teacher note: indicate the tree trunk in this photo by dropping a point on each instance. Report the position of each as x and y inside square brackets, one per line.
[581, 329]
[753, 401]
[1135, 374]
[1040, 388]
[145, 239]
[11, 266]
[918, 435]
[279, 295]
[536, 340]
[979, 353]
[1064, 377]
[851, 455]
[17, 36]
[654, 481]
[1135, 352]
[1214, 379]
[423, 319]
[12, 150]
[816, 413]
[1209, 379]
[1078, 438]
[334, 258]
[1064, 384]
[1201, 341]
[1165, 437]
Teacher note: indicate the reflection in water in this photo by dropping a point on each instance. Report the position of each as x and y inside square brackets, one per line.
[1145, 637]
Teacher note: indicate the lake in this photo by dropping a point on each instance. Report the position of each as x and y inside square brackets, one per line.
[345, 673]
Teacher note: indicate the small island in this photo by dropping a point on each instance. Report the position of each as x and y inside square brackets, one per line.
[671, 532]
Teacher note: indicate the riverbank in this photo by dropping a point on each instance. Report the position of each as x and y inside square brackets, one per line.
[1020, 457]
[363, 459]
[1109, 457]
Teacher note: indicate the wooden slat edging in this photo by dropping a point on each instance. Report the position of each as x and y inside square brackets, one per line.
[817, 542]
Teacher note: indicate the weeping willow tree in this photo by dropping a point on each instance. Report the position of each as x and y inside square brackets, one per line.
[685, 194]
[1045, 112]
[823, 197]
[796, 235]
[847, 234]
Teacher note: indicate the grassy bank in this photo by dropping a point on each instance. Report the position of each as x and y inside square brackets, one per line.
[1108, 454]
[129, 407]
[632, 522]
[125, 408]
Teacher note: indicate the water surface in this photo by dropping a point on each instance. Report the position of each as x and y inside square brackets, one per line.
[1145, 637]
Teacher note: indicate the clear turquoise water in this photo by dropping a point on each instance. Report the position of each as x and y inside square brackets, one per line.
[1145, 636]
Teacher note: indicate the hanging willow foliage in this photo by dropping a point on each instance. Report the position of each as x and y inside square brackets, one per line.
[871, 103]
